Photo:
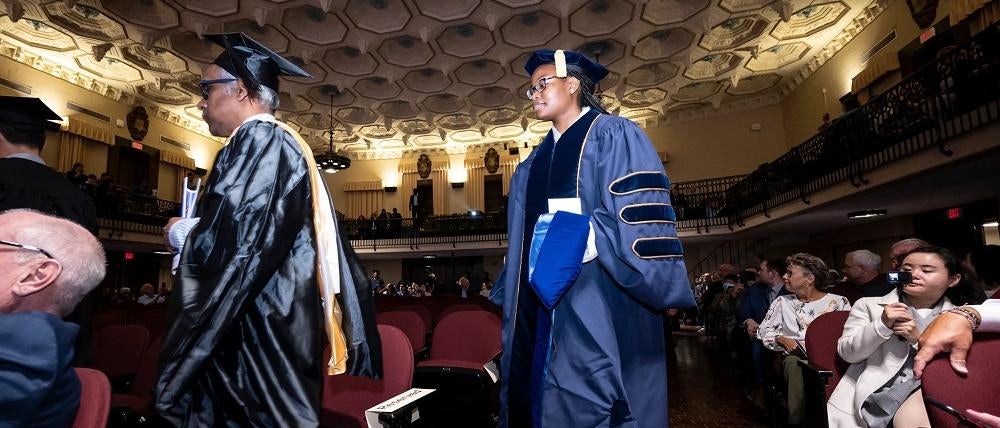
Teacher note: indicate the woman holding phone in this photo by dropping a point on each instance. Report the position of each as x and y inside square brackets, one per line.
[880, 338]
[784, 326]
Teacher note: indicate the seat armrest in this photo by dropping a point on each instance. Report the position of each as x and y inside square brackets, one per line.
[401, 411]
[809, 369]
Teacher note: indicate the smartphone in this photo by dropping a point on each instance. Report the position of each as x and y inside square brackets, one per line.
[898, 278]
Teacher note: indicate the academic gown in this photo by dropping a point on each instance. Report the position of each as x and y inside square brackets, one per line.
[597, 359]
[246, 336]
[29, 184]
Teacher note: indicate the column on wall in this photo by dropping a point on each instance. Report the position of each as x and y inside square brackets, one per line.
[508, 164]
[363, 198]
[179, 165]
[73, 141]
[439, 175]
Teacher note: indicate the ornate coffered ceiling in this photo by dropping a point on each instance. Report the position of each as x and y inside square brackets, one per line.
[438, 74]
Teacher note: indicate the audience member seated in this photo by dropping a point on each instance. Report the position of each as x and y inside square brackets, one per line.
[879, 389]
[148, 295]
[900, 249]
[750, 313]
[862, 271]
[723, 311]
[47, 265]
[983, 265]
[784, 327]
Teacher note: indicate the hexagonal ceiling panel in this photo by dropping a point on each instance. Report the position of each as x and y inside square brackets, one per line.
[466, 40]
[447, 10]
[605, 51]
[109, 68]
[644, 97]
[266, 35]
[778, 56]
[480, 72]
[599, 17]
[156, 59]
[672, 12]
[85, 20]
[37, 34]
[734, 32]
[713, 65]
[530, 29]
[309, 23]
[443, 103]
[810, 20]
[405, 51]
[350, 61]
[398, 109]
[411, 63]
[377, 132]
[697, 91]
[188, 44]
[327, 94]
[651, 74]
[149, 14]
[663, 43]
[743, 5]
[377, 88]
[427, 80]
[378, 16]
[754, 84]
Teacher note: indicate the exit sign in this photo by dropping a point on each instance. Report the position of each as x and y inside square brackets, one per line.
[137, 145]
[927, 34]
[954, 213]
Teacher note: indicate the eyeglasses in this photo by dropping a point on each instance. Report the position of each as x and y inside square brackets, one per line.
[206, 86]
[27, 247]
[540, 86]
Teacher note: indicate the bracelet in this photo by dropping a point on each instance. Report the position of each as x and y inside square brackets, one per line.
[969, 314]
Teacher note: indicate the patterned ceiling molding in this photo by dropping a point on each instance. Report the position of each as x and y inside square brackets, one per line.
[439, 74]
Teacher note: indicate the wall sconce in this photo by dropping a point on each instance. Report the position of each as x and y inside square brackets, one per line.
[390, 189]
[457, 185]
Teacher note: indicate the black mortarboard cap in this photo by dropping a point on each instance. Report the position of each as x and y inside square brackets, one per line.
[252, 62]
[27, 115]
[575, 61]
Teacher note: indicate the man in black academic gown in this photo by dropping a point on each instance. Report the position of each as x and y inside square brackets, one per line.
[26, 182]
[246, 336]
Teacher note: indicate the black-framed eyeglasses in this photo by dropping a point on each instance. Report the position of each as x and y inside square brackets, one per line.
[540, 86]
[206, 85]
[27, 247]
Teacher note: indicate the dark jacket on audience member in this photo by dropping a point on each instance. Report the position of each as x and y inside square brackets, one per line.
[754, 303]
[38, 386]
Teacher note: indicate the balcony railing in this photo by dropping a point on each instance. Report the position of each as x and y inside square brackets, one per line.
[135, 208]
[377, 233]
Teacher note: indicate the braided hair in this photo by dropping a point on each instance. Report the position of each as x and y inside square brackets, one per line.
[587, 96]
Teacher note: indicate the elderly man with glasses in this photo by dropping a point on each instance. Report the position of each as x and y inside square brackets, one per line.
[47, 265]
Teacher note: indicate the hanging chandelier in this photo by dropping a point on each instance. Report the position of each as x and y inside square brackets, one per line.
[331, 162]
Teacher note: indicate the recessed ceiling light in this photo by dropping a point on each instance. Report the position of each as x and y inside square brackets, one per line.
[162, 252]
[992, 224]
[866, 214]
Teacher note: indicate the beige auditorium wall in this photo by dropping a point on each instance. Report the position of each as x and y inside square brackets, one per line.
[386, 171]
[56, 92]
[803, 109]
[722, 145]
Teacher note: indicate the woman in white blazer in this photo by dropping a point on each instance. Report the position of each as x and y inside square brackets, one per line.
[880, 338]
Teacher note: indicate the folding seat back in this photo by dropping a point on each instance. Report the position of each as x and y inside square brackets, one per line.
[119, 348]
[95, 399]
[345, 398]
[464, 344]
[824, 368]
[948, 394]
[422, 311]
[411, 324]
